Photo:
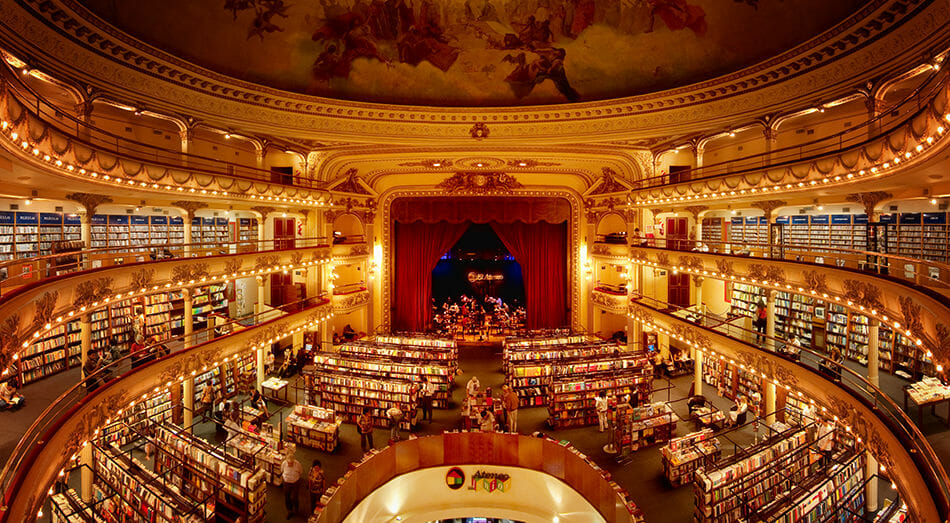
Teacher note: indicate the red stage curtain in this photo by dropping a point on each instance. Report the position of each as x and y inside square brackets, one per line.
[541, 250]
[418, 249]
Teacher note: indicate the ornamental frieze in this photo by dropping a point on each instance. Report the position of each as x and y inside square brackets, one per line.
[608, 301]
[862, 293]
[348, 302]
[91, 291]
[815, 282]
[769, 273]
[141, 278]
[190, 272]
[479, 183]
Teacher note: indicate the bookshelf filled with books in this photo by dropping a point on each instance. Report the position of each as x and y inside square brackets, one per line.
[713, 233]
[377, 366]
[142, 495]
[313, 427]
[738, 486]
[416, 354]
[571, 399]
[529, 367]
[201, 471]
[348, 393]
[135, 421]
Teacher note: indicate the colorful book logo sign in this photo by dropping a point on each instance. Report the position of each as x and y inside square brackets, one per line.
[455, 478]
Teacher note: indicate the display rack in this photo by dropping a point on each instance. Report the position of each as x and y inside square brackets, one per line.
[199, 470]
[150, 412]
[262, 449]
[313, 427]
[683, 455]
[642, 426]
[571, 397]
[712, 233]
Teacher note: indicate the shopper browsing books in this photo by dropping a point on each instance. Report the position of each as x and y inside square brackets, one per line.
[365, 426]
[472, 387]
[9, 399]
[737, 414]
[428, 392]
[395, 416]
[290, 472]
[601, 405]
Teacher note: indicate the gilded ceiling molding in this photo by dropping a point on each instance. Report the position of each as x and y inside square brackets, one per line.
[869, 200]
[696, 210]
[350, 183]
[84, 39]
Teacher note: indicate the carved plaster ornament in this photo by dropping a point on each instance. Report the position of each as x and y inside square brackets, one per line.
[910, 311]
[45, 307]
[869, 200]
[359, 250]
[695, 210]
[479, 182]
[528, 164]
[9, 339]
[264, 211]
[815, 281]
[862, 293]
[268, 260]
[768, 206]
[599, 248]
[91, 291]
[479, 131]
[192, 271]
[431, 163]
[296, 258]
[663, 259]
[607, 301]
[725, 268]
[89, 202]
[351, 183]
[190, 207]
[141, 278]
[608, 183]
[769, 273]
[638, 254]
[233, 265]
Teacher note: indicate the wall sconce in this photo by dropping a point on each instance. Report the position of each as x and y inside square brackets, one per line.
[588, 270]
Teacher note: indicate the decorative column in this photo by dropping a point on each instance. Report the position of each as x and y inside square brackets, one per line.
[770, 325]
[264, 211]
[85, 340]
[768, 206]
[261, 371]
[769, 407]
[84, 113]
[190, 208]
[187, 135]
[698, 371]
[695, 211]
[874, 107]
[188, 401]
[189, 320]
[259, 306]
[369, 217]
[874, 332]
[698, 283]
[89, 203]
[771, 141]
[86, 474]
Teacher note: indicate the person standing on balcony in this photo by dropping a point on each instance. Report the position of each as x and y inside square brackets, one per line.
[761, 321]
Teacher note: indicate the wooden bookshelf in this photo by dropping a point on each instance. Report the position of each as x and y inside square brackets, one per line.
[150, 412]
[201, 471]
[571, 397]
[749, 481]
[347, 393]
[530, 367]
[683, 455]
[378, 366]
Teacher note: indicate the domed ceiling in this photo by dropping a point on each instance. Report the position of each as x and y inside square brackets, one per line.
[474, 52]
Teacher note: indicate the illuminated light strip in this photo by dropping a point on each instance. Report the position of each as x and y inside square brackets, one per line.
[868, 172]
[64, 165]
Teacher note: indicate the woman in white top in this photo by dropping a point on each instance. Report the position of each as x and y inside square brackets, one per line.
[741, 408]
[487, 421]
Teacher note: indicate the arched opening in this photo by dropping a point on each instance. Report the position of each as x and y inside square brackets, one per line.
[347, 228]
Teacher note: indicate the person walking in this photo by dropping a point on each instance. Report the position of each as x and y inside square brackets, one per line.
[395, 416]
[365, 426]
[316, 484]
[428, 392]
[601, 405]
[290, 472]
[761, 321]
[509, 403]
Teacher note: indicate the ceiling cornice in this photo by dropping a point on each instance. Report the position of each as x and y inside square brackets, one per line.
[62, 37]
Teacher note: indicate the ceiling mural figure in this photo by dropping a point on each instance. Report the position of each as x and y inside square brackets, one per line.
[473, 52]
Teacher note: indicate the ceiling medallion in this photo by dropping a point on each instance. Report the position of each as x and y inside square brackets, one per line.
[479, 182]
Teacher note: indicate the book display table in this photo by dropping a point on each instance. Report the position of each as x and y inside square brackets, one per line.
[313, 427]
[683, 455]
[928, 391]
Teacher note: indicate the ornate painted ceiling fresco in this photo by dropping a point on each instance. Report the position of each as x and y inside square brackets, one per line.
[475, 52]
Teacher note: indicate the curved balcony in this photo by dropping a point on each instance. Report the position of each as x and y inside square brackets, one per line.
[878, 422]
[76, 417]
[913, 305]
[836, 160]
[42, 304]
[35, 131]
